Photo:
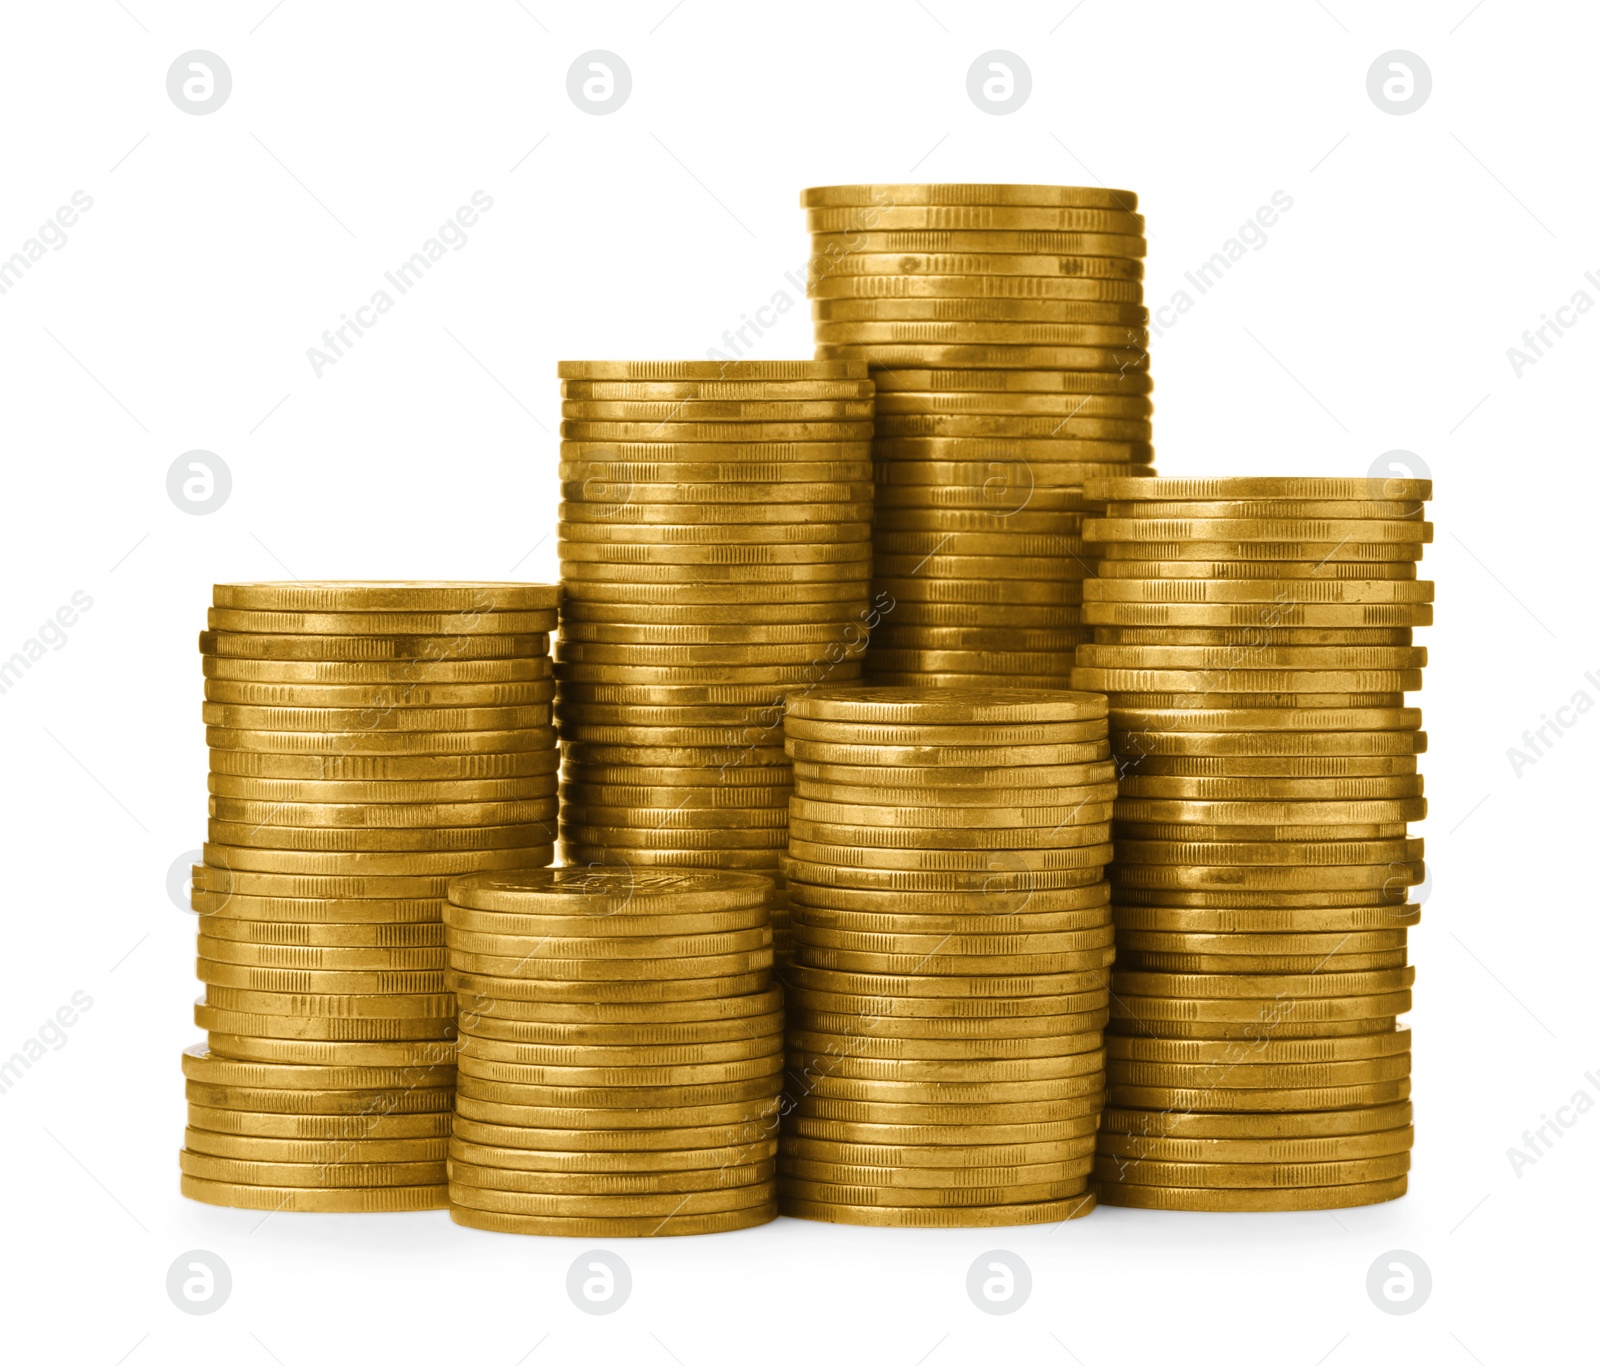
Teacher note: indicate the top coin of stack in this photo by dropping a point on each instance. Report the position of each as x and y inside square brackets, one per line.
[1005, 327]
[715, 551]
[368, 741]
[1255, 637]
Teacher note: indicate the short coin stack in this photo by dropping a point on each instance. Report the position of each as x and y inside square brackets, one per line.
[952, 928]
[1006, 329]
[621, 1050]
[1255, 637]
[368, 742]
[715, 552]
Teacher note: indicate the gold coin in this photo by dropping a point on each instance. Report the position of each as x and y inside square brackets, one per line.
[989, 992]
[345, 767]
[966, 906]
[1355, 721]
[860, 857]
[624, 1121]
[875, 238]
[896, 707]
[657, 510]
[892, 196]
[312, 957]
[820, 286]
[472, 622]
[1375, 1119]
[323, 934]
[1227, 1151]
[277, 1038]
[948, 961]
[357, 741]
[796, 1191]
[700, 410]
[1389, 879]
[1262, 853]
[437, 862]
[248, 1148]
[885, 215]
[653, 1226]
[1238, 1201]
[345, 1004]
[713, 433]
[377, 1101]
[400, 677]
[1249, 945]
[706, 1165]
[959, 1113]
[200, 1064]
[358, 1200]
[1271, 812]
[729, 655]
[1256, 487]
[993, 803]
[609, 1097]
[1294, 789]
[754, 553]
[416, 650]
[252, 835]
[1305, 1017]
[1269, 554]
[1001, 874]
[1253, 637]
[730, 1176]
[1231, 1052]
[358, 814]
[1285, 592]
[399, 596]
[598, 893]
[375, 700]
[967, 310]
[1117, 263]
[734, 390]
[1289, 986]
[660, 1207]
[395, 802]
[992, 1216]
[1234, 659]
[1270, 921]
[378, 1125]
[1228, 1101]
[1264, 615]
[1089, 826]
[1348, 509]
[629, 1076]
[1259, 1075]
[997, 756]
[916, 333]
[722, 370]
[416, 1053]
[1112, 438]
[1308, 743]
[347, 1174]
[279, 979]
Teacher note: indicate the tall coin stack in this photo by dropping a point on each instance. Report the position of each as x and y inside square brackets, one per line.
[368, 741]
[715, 553]
[1255, 637]
[1006, 331]
[948, 989]
[621, 1050]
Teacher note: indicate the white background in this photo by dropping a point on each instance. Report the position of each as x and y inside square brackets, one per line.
[178, 314]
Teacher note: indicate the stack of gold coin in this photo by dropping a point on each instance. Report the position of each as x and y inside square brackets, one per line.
[1255, 637]
[715, 554]
[952, 926]
[1005, 327]
[621, 1052]
[369, 741]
